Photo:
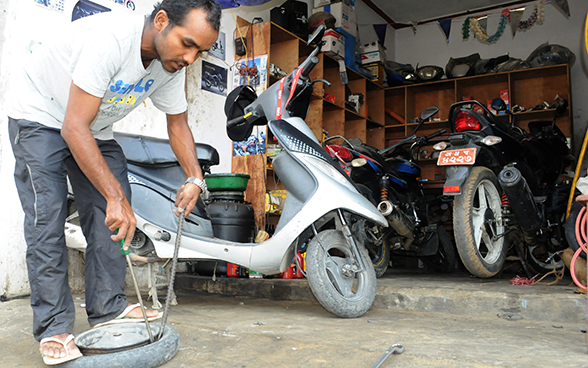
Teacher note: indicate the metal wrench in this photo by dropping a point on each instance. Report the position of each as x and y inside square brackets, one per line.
[394, 349]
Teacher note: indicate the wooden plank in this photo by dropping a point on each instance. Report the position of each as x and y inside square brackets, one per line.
[356, 129]
[376, 138]
[254, 166]
[334, 121]
[314, 118]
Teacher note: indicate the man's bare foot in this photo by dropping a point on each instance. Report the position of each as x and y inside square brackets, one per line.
[137, 313]
[54, 349]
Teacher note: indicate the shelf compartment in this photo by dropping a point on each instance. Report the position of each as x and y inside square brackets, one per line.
[481, 88]
[531, 87]
[394, 101]
[375, 137]
[419, 97]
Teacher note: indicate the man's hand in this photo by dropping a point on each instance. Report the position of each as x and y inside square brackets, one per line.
[120, 216]
[583, 199]
[186, 198]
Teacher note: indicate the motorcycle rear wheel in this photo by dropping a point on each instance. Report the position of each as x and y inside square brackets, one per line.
[340, 291]
[477, 216]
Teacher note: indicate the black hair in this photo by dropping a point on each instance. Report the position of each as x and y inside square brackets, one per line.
[178, 9]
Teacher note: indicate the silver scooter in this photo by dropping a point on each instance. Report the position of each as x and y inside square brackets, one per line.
[320, 208]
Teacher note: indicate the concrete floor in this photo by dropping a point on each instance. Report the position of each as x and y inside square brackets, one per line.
[243, 331]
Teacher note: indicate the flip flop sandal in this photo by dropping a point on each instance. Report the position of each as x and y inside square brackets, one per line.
[53, 361]
[122, 318]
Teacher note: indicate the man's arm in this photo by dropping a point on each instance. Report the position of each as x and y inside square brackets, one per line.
[182, 143]
[82, 108]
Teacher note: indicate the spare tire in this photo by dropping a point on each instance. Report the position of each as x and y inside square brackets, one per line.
[148, 356]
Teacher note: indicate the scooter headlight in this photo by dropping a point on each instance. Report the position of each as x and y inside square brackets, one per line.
[326, 168]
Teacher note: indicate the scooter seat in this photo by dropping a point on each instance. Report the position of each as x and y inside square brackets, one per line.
[156, 152]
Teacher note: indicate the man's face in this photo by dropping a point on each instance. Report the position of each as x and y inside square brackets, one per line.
[179, 46]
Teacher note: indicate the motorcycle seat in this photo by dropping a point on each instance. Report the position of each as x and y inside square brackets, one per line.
[157, 153]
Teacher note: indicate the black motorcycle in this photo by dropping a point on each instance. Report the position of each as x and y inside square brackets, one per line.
[503, 182]
[214, 80]
[391, 180]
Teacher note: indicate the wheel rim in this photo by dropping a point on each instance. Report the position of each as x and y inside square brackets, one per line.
[487, 221]
[341, 268]
[543, 258]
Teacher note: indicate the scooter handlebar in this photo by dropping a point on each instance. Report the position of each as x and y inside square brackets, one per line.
[236, 121]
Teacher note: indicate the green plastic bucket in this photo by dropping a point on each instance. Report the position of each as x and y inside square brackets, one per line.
[226, 182]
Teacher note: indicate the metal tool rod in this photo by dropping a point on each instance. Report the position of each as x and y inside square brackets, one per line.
[139, 297]
[394, 349]
[170, 285]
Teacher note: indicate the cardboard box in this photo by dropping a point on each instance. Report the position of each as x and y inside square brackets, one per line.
[335, 45]
[319, 3]
[377, 71]
[373, 57]
[344, 14]
[372, 47]
[350, 61]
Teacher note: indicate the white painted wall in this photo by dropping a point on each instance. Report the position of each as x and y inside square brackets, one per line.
[428, 47]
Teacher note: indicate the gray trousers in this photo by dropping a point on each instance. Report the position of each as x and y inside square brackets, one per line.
[43, 163]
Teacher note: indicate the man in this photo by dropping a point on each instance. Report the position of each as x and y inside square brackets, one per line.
[60, 122]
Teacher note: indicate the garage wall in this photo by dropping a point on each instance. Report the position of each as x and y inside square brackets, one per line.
[428, 47]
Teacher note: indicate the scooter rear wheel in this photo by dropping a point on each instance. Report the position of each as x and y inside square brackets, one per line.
[339, 289]
[478, 224]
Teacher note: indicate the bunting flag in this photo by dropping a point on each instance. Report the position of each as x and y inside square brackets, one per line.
[381, 32]
[515, 18]
[562, 6]
[446, 27]
[483, 22]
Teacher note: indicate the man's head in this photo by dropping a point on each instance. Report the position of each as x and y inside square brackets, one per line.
[178, 9]
[185, 28]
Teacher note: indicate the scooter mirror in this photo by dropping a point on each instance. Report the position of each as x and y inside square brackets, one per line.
[317, 35]
[498, 104]
[429, 112]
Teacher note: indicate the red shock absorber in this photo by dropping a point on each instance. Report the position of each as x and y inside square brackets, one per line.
[505, 202]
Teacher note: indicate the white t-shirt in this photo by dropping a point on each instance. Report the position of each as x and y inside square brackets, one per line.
[101, 54]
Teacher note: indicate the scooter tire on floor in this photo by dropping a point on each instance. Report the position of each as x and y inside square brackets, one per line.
[148, 356]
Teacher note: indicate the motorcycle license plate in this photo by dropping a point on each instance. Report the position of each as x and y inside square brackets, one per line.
[464, 156]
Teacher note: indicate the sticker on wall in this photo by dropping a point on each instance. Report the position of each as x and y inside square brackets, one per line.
[254, 145]
[214, 78]
[85, 8]
[56, 5]
[218, 49]
[252, 72]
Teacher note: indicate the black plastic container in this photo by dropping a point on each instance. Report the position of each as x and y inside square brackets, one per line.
[232, 221]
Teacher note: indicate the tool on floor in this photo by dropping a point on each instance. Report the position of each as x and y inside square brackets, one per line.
[394, 349]
[128, 257]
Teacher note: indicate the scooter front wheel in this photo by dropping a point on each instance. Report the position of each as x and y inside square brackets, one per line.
[335, 278]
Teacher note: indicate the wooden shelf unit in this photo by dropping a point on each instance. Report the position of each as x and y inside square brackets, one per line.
[527, 88]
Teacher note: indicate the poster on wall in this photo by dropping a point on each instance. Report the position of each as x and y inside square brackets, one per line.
[218, 49]
[214, 78]
[84, 8]
[56, 5]
[254, 145]
[129, 4]
[252, 72]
